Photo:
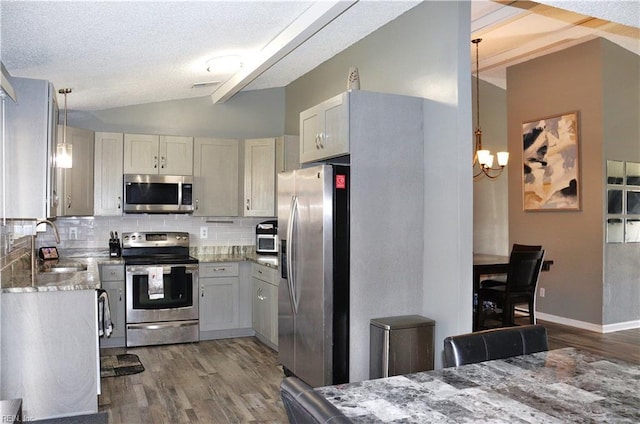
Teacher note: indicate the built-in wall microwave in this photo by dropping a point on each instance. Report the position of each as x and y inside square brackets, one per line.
[158, 193]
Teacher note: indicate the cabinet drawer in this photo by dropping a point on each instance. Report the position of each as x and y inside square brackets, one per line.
[218, 269]
[264, 273]
[111, 272]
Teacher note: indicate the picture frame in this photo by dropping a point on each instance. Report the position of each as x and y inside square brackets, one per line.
[551, 163]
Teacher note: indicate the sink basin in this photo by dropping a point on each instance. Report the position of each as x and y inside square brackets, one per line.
[63, 267]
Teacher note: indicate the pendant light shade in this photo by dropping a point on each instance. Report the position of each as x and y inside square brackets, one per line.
[64, 151]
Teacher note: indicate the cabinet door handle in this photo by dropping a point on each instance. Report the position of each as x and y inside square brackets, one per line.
[320, 138]
[202, 292]
[197, 204]
[68, 201]
[219, 269]
[155, 162]
[317, 141]
[119, 294]
[248, 204]
[119, 202]
[163, 162]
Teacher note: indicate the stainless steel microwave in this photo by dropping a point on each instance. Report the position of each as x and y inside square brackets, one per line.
[267, 238]
[158, 193]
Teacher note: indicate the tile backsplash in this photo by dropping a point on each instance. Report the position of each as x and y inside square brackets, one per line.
[93, 232]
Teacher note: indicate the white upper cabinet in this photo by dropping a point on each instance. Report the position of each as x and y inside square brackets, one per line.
[324, 130]
[28, 159]
[259, 177]
[108, 172]
[75, 184]
[153, 154]
[215, 177]
[176, 155]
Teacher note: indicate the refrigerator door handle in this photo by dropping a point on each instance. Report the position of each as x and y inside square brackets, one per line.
[291, 280]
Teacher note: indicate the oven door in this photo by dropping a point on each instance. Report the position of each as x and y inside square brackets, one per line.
[152, 296]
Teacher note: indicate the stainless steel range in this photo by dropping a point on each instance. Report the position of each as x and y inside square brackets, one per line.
[161, 288]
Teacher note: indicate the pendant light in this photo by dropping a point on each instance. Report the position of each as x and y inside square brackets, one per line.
[64, 151]
[481, 156]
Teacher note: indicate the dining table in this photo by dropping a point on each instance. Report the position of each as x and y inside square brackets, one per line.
[565, 385]
[485, 264]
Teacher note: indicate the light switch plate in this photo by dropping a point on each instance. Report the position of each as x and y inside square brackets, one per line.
[204, 232]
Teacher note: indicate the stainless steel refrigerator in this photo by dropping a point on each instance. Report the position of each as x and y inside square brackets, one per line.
[313, 296]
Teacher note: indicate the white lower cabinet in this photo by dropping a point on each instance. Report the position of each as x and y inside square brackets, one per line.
[112, 280]
[219, 296]
[264, 304]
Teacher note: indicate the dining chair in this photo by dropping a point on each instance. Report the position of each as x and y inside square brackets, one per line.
[305, 406]
[520, 287]
[516, 247]
[492, 344]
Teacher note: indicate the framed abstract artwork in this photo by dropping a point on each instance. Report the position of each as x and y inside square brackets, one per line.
[550, 155]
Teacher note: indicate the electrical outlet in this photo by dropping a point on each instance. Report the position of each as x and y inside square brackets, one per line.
[204, 232]
[73, 233]
[541, 291]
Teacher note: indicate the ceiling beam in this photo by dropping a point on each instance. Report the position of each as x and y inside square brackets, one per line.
[306, 25]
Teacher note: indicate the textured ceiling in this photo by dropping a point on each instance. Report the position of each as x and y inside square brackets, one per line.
[120, 53]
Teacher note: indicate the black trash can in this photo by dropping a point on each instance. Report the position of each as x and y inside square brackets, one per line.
[400, 345]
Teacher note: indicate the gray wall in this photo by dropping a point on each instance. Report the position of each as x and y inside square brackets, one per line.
[490, 201]
[423, 53]
[576, 79]
[251, 114]
[621, 141]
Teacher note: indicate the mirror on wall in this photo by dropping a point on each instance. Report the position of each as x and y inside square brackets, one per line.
[614, 201]
[633, 173]
[632, 231]
[615, 230]
[615, 172]
[633, 202]
[623, 202]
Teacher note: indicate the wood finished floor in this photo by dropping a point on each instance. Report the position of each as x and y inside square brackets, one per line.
[237, 380]
[218, 381]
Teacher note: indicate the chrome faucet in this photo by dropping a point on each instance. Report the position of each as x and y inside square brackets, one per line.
[55, 229]
[33, 244]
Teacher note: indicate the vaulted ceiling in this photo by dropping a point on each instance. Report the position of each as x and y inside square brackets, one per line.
[120, 53]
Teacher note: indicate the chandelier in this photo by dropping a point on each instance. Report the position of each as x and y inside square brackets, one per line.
[482, 157]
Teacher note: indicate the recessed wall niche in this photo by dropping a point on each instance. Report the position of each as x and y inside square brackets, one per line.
[623, 202]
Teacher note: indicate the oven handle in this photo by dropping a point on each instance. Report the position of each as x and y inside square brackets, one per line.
[160, 326]
[144, 269]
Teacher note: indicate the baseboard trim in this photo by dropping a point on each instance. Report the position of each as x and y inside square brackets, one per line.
[598, 328]
[226, 334]
[620, 326]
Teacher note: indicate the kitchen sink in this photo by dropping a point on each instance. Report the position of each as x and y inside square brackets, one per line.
[63, 267]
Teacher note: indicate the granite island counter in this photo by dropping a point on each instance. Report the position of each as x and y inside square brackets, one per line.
[557, 386]
[50, 356]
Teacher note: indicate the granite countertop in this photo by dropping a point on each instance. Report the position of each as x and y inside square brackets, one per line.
[558, 386]
[233, 254]
[18, 277]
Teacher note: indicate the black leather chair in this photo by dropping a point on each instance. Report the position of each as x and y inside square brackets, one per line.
[494, 282]
[498, 343]
[520, 287]
[305, 406]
